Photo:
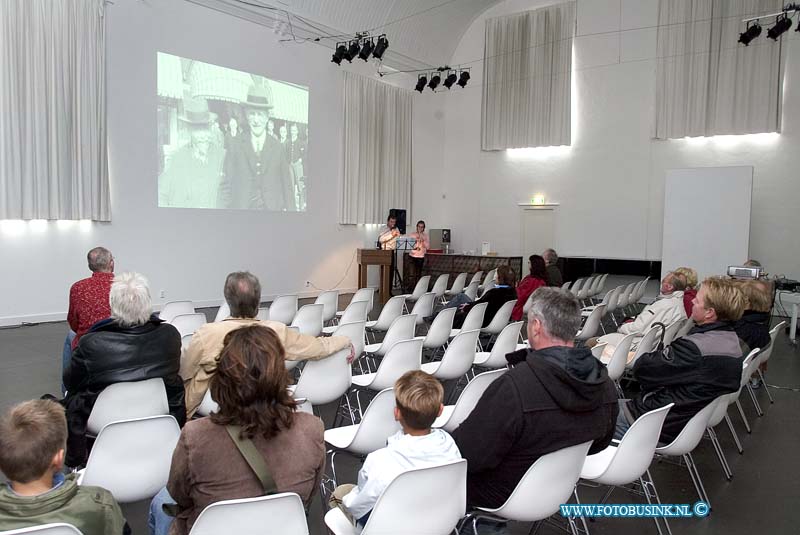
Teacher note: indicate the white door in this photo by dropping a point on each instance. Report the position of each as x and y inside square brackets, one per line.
[538, 231]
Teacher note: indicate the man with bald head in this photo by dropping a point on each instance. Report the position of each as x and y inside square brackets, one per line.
[88, 299]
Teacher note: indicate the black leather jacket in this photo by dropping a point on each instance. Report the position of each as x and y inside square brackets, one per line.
[109, 353]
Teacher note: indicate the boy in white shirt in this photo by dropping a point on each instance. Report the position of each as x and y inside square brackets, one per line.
[418, 396]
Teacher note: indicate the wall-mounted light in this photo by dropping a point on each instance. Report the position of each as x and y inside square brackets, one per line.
[537, 200]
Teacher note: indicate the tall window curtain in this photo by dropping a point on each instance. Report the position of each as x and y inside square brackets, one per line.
[53, 162]
[707, 83]
[377, 150]
[527, 69]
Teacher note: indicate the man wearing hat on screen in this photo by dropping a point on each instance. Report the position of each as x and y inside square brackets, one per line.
[192, 175]
[256, 168]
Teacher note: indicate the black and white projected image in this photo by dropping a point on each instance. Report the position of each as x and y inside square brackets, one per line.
[229, 139]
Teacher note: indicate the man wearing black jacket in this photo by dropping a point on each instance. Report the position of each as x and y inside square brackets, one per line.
[132, 345]
[696, 369]
[556, 396]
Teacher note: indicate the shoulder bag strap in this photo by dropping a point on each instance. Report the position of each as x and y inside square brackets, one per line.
[254, 459]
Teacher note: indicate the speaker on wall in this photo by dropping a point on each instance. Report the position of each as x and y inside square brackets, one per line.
[400, 215]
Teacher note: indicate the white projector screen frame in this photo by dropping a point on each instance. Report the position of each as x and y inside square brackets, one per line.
[706, 218]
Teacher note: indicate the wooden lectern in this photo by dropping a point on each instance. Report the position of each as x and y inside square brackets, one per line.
[376, 257]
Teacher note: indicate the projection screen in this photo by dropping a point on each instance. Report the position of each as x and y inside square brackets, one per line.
[229, 139]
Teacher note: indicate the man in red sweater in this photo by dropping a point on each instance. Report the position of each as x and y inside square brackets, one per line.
[88, 299]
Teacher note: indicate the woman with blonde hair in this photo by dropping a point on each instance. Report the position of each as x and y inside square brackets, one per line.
[690, 276]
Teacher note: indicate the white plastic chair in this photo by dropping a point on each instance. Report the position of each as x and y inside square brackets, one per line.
[376, 426]
[439, 332]
[720, 413]
[402, 357]
[576, 287]
[500, 319]
[46, 529]
[392, 310]
[263, 314]
[126, 401]
[188, 323]
[329, 300]
[278, 513]
[687, 326]
[766, 354]
[474, 319]
[208, 405]
[583, 293]
[223, 312]
[618, 361]
[457, 359]
[402, 328]
[440, 286]
[587, 311]
[592, 324]
[546, 485]
[672, 330]
[174, 308]
[476, 277]
[186, 340]
[283, 309]
[471, 290]
[356, 311]
[420, 289]
[324, 380]
[687, 440]
[629, 460]
[458, 285]
[422, 501]
[506, 343]
[423, 308]
[747, 371]
[362, 294]
[354, 330]
[613, 303]
[309, 319]
[453, 415]
[488, 281]
[131, 458]
[648, 343]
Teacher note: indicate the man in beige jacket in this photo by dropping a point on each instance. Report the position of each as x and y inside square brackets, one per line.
[243, 294]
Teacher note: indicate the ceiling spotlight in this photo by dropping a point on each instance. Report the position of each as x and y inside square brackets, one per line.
[366, 49]
[752, 31]
[352, 51]
[782, 25]
[463, 78]
[339, 53]
[421, 81]
[450, 80]
[380, 47]
[435, 80]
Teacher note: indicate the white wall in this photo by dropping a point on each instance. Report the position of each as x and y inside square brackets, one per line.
[187, 252]
[610, 182]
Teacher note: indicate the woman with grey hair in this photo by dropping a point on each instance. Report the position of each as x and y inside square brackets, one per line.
[131, 345]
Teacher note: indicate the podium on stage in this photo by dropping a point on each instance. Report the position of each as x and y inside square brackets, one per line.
[376, 257]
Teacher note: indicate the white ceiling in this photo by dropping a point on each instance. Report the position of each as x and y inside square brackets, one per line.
[421, 33]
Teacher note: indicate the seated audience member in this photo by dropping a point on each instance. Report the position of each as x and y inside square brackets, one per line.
[753, 327]
[33, 436]
[88, 299]
[529, 284]
[243, 294]
[556, 396]
[666, 309]
[690, 276]
[419, 403]
[131, 345]
[554, 277]
[503, 292]
[695, 369]
[251, 388]
[752, 263]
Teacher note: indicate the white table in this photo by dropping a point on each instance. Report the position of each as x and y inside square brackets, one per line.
[790, 298]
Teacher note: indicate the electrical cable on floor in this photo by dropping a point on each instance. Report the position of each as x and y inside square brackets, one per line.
[790, 388]
[347, 271]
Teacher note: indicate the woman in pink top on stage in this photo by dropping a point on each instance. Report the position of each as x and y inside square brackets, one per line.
[421, 246]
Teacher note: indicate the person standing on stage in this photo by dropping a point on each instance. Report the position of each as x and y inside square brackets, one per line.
[421, 245]
[387, 238]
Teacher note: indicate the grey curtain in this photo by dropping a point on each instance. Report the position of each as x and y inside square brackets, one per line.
[527, 70]
[53, 161]
[707, 83]
[377, 150]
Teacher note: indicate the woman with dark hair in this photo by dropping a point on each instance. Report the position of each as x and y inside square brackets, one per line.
[503, 292]
[250, 387]
[529, 284]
